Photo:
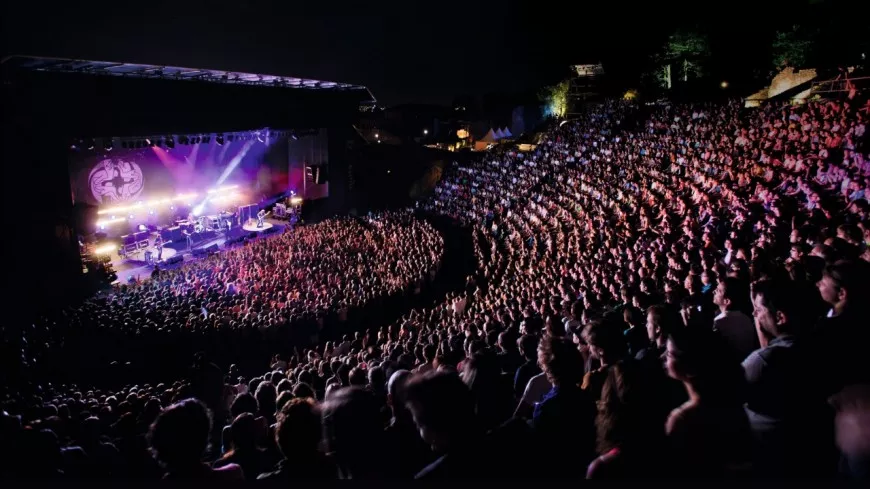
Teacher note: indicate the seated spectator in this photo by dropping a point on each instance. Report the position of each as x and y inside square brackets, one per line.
[844, 333]
[607, 345]
[528, 347]
[635, 335]
[630, 424]
[243, 403]
[245, 452]
[565, 416]
[852, 406]
[443, 410]
[179, 437]
[786, 403]
[354, 433]
[710, 433]
[298, 436]
[407, 449]
[491, 390]
[735, 326]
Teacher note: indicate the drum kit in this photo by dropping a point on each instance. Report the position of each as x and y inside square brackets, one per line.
[220, 222]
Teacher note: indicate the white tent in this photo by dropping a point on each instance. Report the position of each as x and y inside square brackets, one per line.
[507, 133]
[499, 134]
[487, 140]
[490, 137]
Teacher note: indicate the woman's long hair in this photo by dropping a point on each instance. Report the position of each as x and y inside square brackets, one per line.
[629, 412]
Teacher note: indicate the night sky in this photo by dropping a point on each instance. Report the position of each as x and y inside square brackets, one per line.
[426, 52]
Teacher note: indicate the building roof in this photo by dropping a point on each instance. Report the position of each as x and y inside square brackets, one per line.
[134, 70]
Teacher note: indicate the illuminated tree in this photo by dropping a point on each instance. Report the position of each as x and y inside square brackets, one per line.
[683, 57]
[556, 99]
[793, 48]
[686, 53]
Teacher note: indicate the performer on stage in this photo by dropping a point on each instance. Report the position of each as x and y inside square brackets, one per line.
[260, 217]
[189, 237]
[159, 244]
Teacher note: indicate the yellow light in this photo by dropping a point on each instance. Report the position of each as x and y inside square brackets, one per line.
[724, 84]
[105, 249]
[161, 201]
[296, 200]
[225, 198]
[377, 135]
[462, 133]
[152, 203]
[106, 222]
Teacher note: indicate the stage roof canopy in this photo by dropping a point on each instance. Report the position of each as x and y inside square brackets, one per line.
[133, 70]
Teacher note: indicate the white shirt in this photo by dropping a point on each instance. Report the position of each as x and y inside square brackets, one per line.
[537, 388]
[459, 305]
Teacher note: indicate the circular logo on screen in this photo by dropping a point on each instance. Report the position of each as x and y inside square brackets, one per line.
[114, 181]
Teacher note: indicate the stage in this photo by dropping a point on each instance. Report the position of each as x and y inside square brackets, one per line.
[252, 227]
[134, 265]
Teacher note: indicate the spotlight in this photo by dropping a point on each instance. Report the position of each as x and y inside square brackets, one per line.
[170, 142]
[260, 137]
[131, 216]
[148, 142]
[151, 212]
[425, 131]
[91, 144]
[142, 227]
[108, 144]
[724, 84]
[105, 249]
[219, 139]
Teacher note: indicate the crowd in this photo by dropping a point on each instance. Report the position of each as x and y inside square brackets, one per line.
[311, 282]
[668, 290]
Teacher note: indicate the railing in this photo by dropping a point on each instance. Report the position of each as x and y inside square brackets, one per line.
[839, 85]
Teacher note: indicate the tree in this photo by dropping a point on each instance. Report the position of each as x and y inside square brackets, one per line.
[556, 98]
[687, 51]
[683, 57]
[793, 47]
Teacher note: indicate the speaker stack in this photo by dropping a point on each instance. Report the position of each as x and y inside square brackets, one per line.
[247, 212]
